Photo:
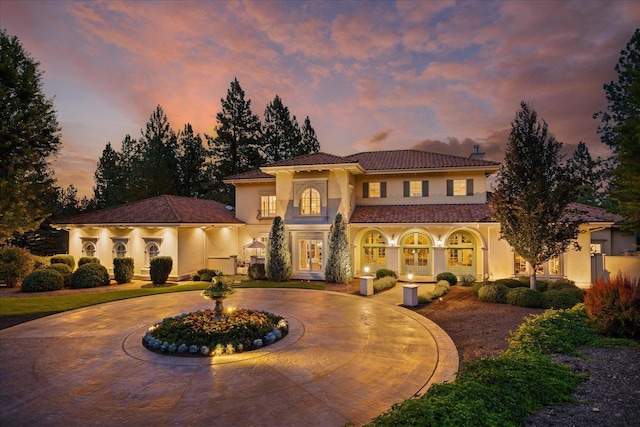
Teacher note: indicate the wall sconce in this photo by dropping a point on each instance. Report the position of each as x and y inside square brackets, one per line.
[439, 241]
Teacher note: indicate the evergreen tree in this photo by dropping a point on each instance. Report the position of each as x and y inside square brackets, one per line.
[310, 142]
[533, 193]
[29, 136]
[620, 130]
[278, 258]
[236, 146]
[338, 268]
[192, 159]
[591, 175]
[108, 189]
[281, 134]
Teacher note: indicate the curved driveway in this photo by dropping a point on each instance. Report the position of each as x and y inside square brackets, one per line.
[346, 359]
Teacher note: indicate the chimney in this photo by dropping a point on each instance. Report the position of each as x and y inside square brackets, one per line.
[476, 153]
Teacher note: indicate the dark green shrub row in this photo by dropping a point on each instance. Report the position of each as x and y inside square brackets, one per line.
[43, 281]
[493, 293]
[63, 269]
[160, 268]
[89, 275]
[87, 260]
[525, 297]
[257, 272]
[385, 272]
[449, 277]
[560, 294]
[15, 265]
[123, 270]
[64, 259]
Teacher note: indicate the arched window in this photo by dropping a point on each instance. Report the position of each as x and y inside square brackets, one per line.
[89, 249]
[416, 254]
[120, 250]
[374, 251]
[310, 202]
[151, 251]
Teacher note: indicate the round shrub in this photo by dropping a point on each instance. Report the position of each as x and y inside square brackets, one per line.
[89, 275]
[493, 293]
[206, 275]
[467, 280]
[88, 260]
[386, 282]
[257, 272]
[476, 287]
[512, 283]
[385, 272]
[562, 298]
[160, 268]
[542, 285]
[525, 297]
[562, 284]
[43, 281]
[15, 264]
[63, 269]
[123, 270]
[64, 259]
[449, 277]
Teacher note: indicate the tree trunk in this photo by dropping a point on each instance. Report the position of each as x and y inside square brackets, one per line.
[532, 279]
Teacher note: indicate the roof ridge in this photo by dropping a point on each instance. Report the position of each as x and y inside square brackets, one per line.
[174, 211]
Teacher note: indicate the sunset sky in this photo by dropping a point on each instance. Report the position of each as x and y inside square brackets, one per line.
[439, 75]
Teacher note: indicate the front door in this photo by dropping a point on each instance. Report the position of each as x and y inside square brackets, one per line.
[415, 254]
[310, 255]
[461, 254]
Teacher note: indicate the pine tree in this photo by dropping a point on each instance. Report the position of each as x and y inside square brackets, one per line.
[620, 130]
[281, 134]
[338, 268]
[533, 193]
[310, 142]
[29, 136]
[278, 257]
[236, 146]
[591, 175]
[192, 159]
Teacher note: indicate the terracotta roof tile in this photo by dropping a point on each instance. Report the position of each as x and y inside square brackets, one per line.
[312, 159]
[414, 159]
[414, 214]
[254, 174]
[592, 214]
[159, 210]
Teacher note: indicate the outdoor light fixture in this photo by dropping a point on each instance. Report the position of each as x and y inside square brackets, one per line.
[366, 269]
[410, 276]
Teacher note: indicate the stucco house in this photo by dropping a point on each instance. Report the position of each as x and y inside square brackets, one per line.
[410, 211]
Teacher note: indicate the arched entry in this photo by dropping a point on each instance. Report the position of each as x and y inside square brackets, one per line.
[373, 251]
[461, 254]
[416, 254]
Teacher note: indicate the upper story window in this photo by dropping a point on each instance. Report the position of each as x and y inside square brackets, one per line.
[374, 189]
[310, 202]
[460, 187]
[416, 188]
[268, 206]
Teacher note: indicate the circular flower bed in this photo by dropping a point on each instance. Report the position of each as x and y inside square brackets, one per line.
[201, 333]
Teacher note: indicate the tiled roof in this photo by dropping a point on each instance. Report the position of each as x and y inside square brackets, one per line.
[414, 214]
[254, 174]
[311, 160]
[592, 214]
[159, 210]
[414, 159]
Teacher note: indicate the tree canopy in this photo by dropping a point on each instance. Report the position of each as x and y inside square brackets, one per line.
[29, 137]
[533, 192]
[620, 130]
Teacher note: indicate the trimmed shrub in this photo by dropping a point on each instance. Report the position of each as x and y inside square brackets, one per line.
[385, 272]
[15, 265]
[277, 262]
[87, 260]
[257, 272]
[476, 287]
[542, 285]
[338, 267]
[43, 281]
[562, 298]
[40, 262]
[525, 297]
[89, 275]
[160, 268]
[63, 269]
[207, 275]
[384, 283]
[511, 283]
[467, 280]
[123, 270]
[614, 306]
[493, 293]
[562, 284]
[441, 288]
[449, 277]
[64, 259]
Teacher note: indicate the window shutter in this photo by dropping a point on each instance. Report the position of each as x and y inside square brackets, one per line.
[406, 188]
[425, 188]
[469, 187]
[449, 187]
[383, 189]
[365, 190]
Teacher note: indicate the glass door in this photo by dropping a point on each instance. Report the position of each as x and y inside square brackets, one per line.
[310, 255]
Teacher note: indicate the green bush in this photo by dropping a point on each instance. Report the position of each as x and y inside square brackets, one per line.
[441, 288]
[449, 277]
[542, 285]
[511, 283]
[525, 297]
[562, 298]
[160, 268]
[123, 270]
[562, 284]
[493, 293]
[15, 265]
[476, 287]
[467, 280]
[385, 272]
[257, 272]
[43, 281]
[87, 260]
[40, 262]
[63, 269]
[384, 283]
[206, 275]
[614, 306]
[89, 275]
[64, 259]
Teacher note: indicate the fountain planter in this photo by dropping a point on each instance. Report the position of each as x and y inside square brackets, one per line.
[219, 308]
[218, 291]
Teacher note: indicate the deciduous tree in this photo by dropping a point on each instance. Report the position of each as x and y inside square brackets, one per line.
[533, 193]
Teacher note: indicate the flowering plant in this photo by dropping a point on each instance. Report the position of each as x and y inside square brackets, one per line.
[219, 288]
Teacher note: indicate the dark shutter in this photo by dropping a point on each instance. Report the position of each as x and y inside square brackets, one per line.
[425, 188]
[383, 189]
[365, 190]
[449, 187]
[469, 187]
[406, 189]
